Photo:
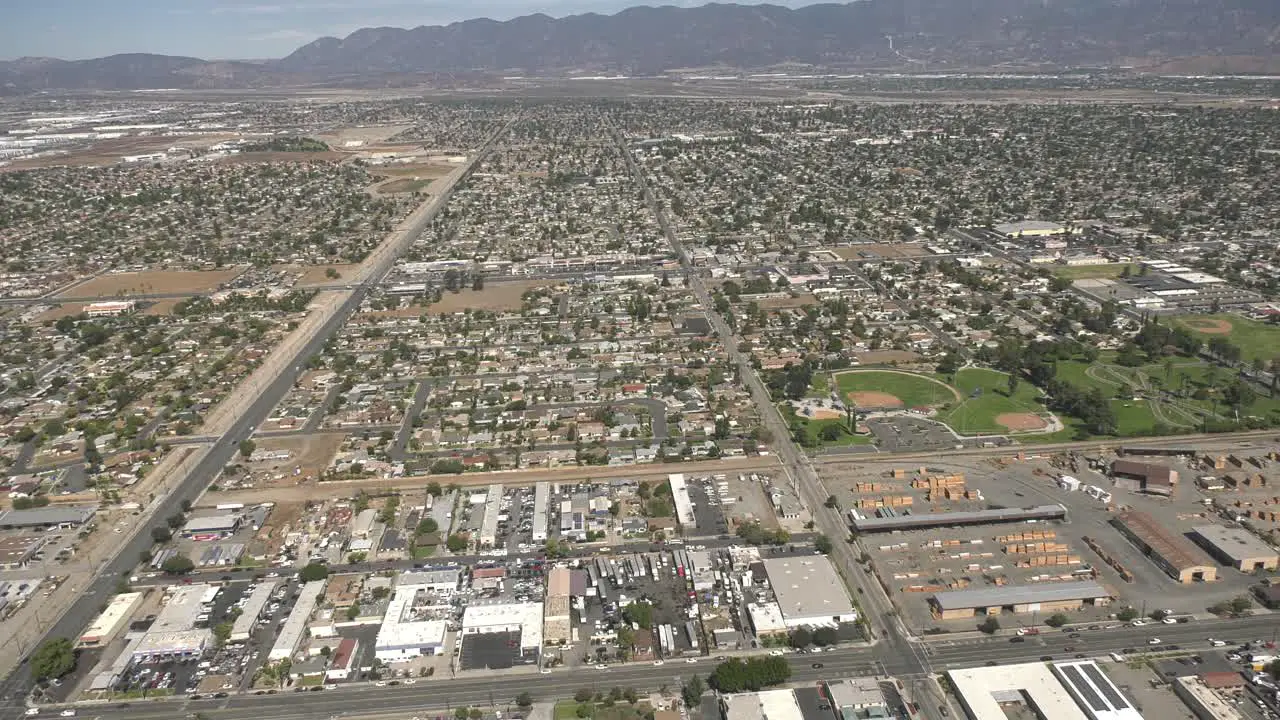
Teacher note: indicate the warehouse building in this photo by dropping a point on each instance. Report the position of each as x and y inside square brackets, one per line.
[557, 618]
[257, 601]
[1203, 701]
[362, 524]
[925, 521]
[343, 660]
[766, 619]
[1094, 692]
[69, 516]
[501, 635]
[1144, 477]
[402, 635]
[211, 527]
[442, 581]
[541, 506]
[1172, 553]
[489, 524]
[809, 591]
[1027, 690]
[1236, 547]
[17, 551]
[858, 698]
[173, 633]
[1046, 598]
[1030, 228]
[763, 705]
[295, 626]
[110, 621]
[684, 506]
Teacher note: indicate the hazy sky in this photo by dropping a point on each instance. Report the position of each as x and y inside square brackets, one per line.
[74, 29]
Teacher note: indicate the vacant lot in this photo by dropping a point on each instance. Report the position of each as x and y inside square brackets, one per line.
[498, 296]
[61, 311]
[311, 453]
[780, 303]
[275, 157]
[404, 185]
[884, 250]
[876, 388]
[885, 357]
[314, 275]
[150, 282]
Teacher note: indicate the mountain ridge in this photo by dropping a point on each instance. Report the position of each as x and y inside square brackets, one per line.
[643, 40]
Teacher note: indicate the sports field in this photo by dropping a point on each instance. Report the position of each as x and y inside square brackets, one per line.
[883, 389]
[1255, 339]
[988, 407]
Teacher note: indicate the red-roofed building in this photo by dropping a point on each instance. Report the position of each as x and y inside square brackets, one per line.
[343, 660]
[1221, 680]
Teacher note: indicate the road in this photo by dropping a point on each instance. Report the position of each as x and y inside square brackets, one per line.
[18, 684]
[439, 696]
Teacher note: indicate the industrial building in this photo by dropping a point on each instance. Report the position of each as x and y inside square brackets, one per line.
[985, 691]
[441, 581]
[1144, 477]
[858, 698]
[501, 635]
[809, 592]
[541, 506]
[62, 516]
[925, 521]
[1172, 553]
[295, 626]
[1203, 701]
[557, 619]
[17, 551]
[402, 635]
[1030, 228]
[173, 633]
[764, 705]
[343, 660]
[242, 628]
[1236, 547]
[766, 619]
[1046, 598]
[109, 623]
[1094, 692]
[684, 506]
[489, 524]
[362, 525]
[211, 527]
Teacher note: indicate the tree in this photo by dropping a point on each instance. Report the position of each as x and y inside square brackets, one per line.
[736, 675]
[801, 638]
[831, 502]
[825, 636]
[434, 489]
[1057, 620]
[1013, 383]
[691, 692]
[990, 625]
[178, 565]
[456, 543]
[822, 544]
[1125, 614]
[161, 534]
[640, 613]
[583, 695]
[247, 447]
[460, 713]
[221, 632]
[524, 699]
[53, 659]
[426, 526]
[313, 571]
[175, 521]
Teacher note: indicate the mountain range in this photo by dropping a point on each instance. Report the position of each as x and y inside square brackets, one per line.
[932, 35]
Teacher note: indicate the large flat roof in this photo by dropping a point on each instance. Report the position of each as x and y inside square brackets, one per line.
[807, 586]
[212, 523]
[1236, 543]
[983, 689]
[116, 612]
[291, 632]
[1094, 691]
[527, 616]
[977, 517]
[1019, 594]
[40, 517]
[1175, 549]
[179, 614]
[680, 496]
[252, 610]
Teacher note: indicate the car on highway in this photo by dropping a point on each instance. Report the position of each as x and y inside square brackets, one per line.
[817, 666]
[1017, 639]
[1170, 621]
[1217, 643]
[776, 653]
[544, 671]
[1073, 636]
[658, 663]
[1153, 641]
[67, 713]
[691, 660]
[602, 666]
[1069, 648]
[32, 711]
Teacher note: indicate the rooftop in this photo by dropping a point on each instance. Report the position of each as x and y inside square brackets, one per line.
[1017, 595]
[983, 690]
[38, 517]
[1236, 543]
[976, 517]
[1094, 691]
[808, 587]
[1175, 549]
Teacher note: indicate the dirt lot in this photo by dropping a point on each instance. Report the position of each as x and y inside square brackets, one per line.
[498, 296]
[311, 453]
[788, 302]
[152, 281]
[162, 307]
[1208, 326]
[1021, 421]
[368, 135]
[884, 250]
[884, 357]
[314, 275]
[298, 157]
[868, 399]
[109, 152]
[63, 310]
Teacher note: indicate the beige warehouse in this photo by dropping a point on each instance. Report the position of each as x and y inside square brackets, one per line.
[1236, 547]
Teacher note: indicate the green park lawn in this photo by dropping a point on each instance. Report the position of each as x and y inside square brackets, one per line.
[912, 389]
[1255, 339]
[1083, 272]
[977, 414]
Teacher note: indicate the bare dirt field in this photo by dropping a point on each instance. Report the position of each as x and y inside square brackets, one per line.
[825, 414]
[1208, 326]
[884, 357]
[311, 453]
[1021, 422]
[151, 282]
[884, 250]
[109, 152]
[266, 157]
[869, 399]
[426, 171]
[162, 307]
[63, 310]
[367, 135]
[788, 302]
[314, 275]
[497, 296]
[405, 185]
